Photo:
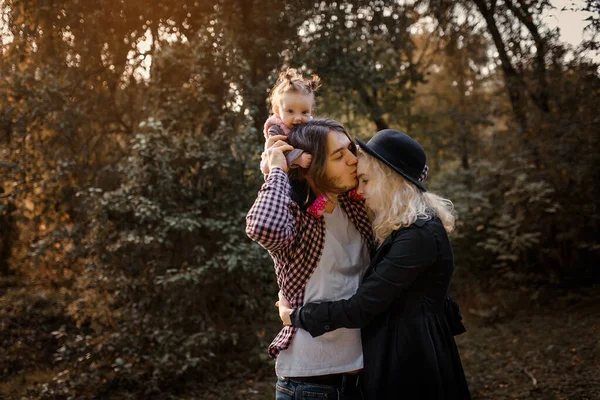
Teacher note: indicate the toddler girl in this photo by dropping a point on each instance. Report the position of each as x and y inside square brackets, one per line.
[292, 100]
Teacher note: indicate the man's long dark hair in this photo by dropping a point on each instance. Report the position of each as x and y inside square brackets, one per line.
[312, 138]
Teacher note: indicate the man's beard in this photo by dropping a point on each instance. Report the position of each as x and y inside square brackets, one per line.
[334, 185]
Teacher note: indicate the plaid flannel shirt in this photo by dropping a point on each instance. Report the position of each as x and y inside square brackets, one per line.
[295, 240]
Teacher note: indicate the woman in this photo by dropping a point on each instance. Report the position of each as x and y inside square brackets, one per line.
[401, 305]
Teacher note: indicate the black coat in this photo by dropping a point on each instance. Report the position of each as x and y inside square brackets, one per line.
[403, 311]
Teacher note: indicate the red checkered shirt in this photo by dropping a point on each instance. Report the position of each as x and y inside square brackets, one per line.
[295, 240]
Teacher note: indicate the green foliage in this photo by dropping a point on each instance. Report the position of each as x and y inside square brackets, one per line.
[503, 217]
[162, 248]
[124, 190]
[367, 57]
[529, 213]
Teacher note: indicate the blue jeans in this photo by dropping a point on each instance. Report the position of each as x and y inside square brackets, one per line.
[288, 389]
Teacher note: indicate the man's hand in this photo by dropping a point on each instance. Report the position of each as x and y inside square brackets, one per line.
[272, 140]
[264, 157]
[274, 149]
[284, 310]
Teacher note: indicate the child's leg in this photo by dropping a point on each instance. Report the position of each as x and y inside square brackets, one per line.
[298, 158]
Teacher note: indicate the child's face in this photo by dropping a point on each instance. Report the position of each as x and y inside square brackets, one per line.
[295, 108]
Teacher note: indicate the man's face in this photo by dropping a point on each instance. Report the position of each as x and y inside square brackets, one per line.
[340, 167]
[295, 108]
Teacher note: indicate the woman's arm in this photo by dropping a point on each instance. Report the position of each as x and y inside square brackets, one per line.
[411, 252]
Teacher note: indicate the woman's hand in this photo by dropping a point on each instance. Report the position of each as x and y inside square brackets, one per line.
[285, 310]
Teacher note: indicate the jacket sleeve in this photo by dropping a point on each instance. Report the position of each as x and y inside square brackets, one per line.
[270, 221]
[410, 253]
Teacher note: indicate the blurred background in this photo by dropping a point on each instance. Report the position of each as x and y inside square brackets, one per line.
[130, 138]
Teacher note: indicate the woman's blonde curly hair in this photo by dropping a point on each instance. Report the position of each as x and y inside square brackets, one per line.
[393, 202]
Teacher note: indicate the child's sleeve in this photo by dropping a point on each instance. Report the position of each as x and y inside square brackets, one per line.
[275, 126]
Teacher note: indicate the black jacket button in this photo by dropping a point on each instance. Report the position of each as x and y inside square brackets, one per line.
[327, 327]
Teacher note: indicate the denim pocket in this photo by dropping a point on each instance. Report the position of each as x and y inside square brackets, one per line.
[284, 390]
[315, 396]
[316, 392]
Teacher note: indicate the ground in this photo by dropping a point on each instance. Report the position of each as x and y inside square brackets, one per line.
[548, 349]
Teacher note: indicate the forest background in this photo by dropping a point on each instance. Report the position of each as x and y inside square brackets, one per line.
[130, 138]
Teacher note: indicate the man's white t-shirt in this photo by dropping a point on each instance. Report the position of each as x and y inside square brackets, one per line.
[344, 260]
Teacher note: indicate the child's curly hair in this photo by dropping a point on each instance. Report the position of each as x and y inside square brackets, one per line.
[293, 81]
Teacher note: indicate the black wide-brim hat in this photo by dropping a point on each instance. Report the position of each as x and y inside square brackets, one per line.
[398, 151]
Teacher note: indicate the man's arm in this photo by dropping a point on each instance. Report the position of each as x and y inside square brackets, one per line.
[411, 252]
[270, 221]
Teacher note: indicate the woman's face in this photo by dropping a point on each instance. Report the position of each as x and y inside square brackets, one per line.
[363, 178]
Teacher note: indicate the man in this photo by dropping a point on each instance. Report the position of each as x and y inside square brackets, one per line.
[316, 258]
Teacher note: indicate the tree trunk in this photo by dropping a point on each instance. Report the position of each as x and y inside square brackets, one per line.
[540, 95]
[375, 110]
[7, 235]
[514, 84]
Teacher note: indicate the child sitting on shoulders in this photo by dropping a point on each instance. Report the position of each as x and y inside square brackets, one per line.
[292, 100]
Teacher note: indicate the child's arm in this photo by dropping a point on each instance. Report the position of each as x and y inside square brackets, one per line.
[275, 126]
[274, 130]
